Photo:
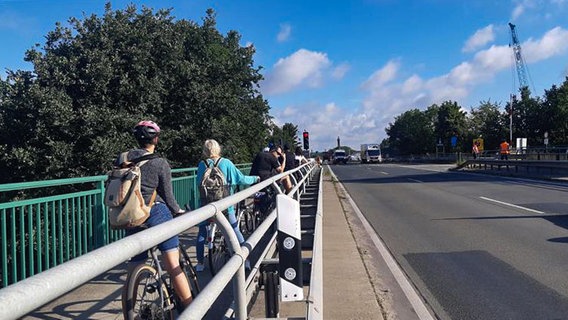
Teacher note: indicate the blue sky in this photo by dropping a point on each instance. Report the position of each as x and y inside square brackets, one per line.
[347, 68]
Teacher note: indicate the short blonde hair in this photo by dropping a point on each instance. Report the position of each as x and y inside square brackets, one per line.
[211, 148]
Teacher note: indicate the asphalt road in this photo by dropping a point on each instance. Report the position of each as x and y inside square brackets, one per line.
[475, 246]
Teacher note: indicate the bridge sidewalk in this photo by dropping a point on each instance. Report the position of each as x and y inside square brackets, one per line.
[358, 282]
[348, 291]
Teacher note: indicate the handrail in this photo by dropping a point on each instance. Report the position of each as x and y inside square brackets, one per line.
[315, 294]
[27, 295]
[528, 168]
[49, 183]
[532, 163]
[44, 228]
[203, 302]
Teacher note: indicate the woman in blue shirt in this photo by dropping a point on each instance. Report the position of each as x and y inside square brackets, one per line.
[234, 177]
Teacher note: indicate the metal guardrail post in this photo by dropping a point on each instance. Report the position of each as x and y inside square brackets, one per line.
[239, 280]
[100, 223]
[270, 283]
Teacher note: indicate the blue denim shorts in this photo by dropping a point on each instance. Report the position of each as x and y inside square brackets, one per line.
[158, 215]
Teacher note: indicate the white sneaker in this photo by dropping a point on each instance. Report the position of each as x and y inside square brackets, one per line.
[199, 267]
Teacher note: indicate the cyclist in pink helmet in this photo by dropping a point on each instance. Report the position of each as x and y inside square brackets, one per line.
[157, 178]
[145, 131]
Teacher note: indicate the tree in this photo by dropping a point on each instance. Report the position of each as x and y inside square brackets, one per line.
[287, 135]
[527, 122]
[411, 133]
[487, 122]
[450, 121]
[555, 108]
[94, 79]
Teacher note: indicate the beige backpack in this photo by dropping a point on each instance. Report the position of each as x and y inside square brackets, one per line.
[123, 197]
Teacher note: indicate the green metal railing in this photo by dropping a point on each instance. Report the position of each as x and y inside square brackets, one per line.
[40, 232]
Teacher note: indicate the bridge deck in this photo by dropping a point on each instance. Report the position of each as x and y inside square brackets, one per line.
[349, 288]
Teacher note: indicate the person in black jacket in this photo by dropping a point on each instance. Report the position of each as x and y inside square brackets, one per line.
[290, 163]
[290, 158]
[266, 165]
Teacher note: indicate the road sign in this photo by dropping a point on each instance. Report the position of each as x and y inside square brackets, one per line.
[479, 142]
[454, 141]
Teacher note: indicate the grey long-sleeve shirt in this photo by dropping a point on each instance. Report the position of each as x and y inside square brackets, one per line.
[156, 175]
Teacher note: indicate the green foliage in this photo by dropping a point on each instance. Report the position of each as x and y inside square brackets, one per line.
[450, 121]
[287, 135]
[487, 122]
[94, 79]
[417, 132]
[411, 133]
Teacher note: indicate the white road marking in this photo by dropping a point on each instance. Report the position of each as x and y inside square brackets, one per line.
[511, 205]
[385, 173]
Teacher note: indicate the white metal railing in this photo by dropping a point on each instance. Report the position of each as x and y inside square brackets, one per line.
[29, 294]
[315, 294]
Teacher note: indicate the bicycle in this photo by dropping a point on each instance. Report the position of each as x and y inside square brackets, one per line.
[217, 246]
[245, 215]
[264, 202]
[250, 215]
[148, 292]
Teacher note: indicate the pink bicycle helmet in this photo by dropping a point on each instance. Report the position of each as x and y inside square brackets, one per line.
[146, 130]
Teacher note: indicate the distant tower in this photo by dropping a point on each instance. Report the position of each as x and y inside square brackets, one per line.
[338, 142]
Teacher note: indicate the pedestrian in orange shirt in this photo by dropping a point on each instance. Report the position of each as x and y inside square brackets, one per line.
[504, 150]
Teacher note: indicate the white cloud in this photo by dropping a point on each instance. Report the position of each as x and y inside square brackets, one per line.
[554, 42]
[383, 75]
[326, 122]
[388, 94]
[517, 12]
[290, 111]
[480, 38]
[284, 33]
[340, 71]
[303, 68]
[539, 10]
[412, 84]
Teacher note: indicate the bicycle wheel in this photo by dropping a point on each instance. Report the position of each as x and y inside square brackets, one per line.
[219, 253]
[190, 272]
[241, 216]
[257, 217]
[144, 296]
[249, 220]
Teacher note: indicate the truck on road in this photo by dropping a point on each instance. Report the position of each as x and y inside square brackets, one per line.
[339, 156]
[371, 152]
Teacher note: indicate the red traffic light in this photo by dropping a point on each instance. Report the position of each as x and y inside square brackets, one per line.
[306, 140]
